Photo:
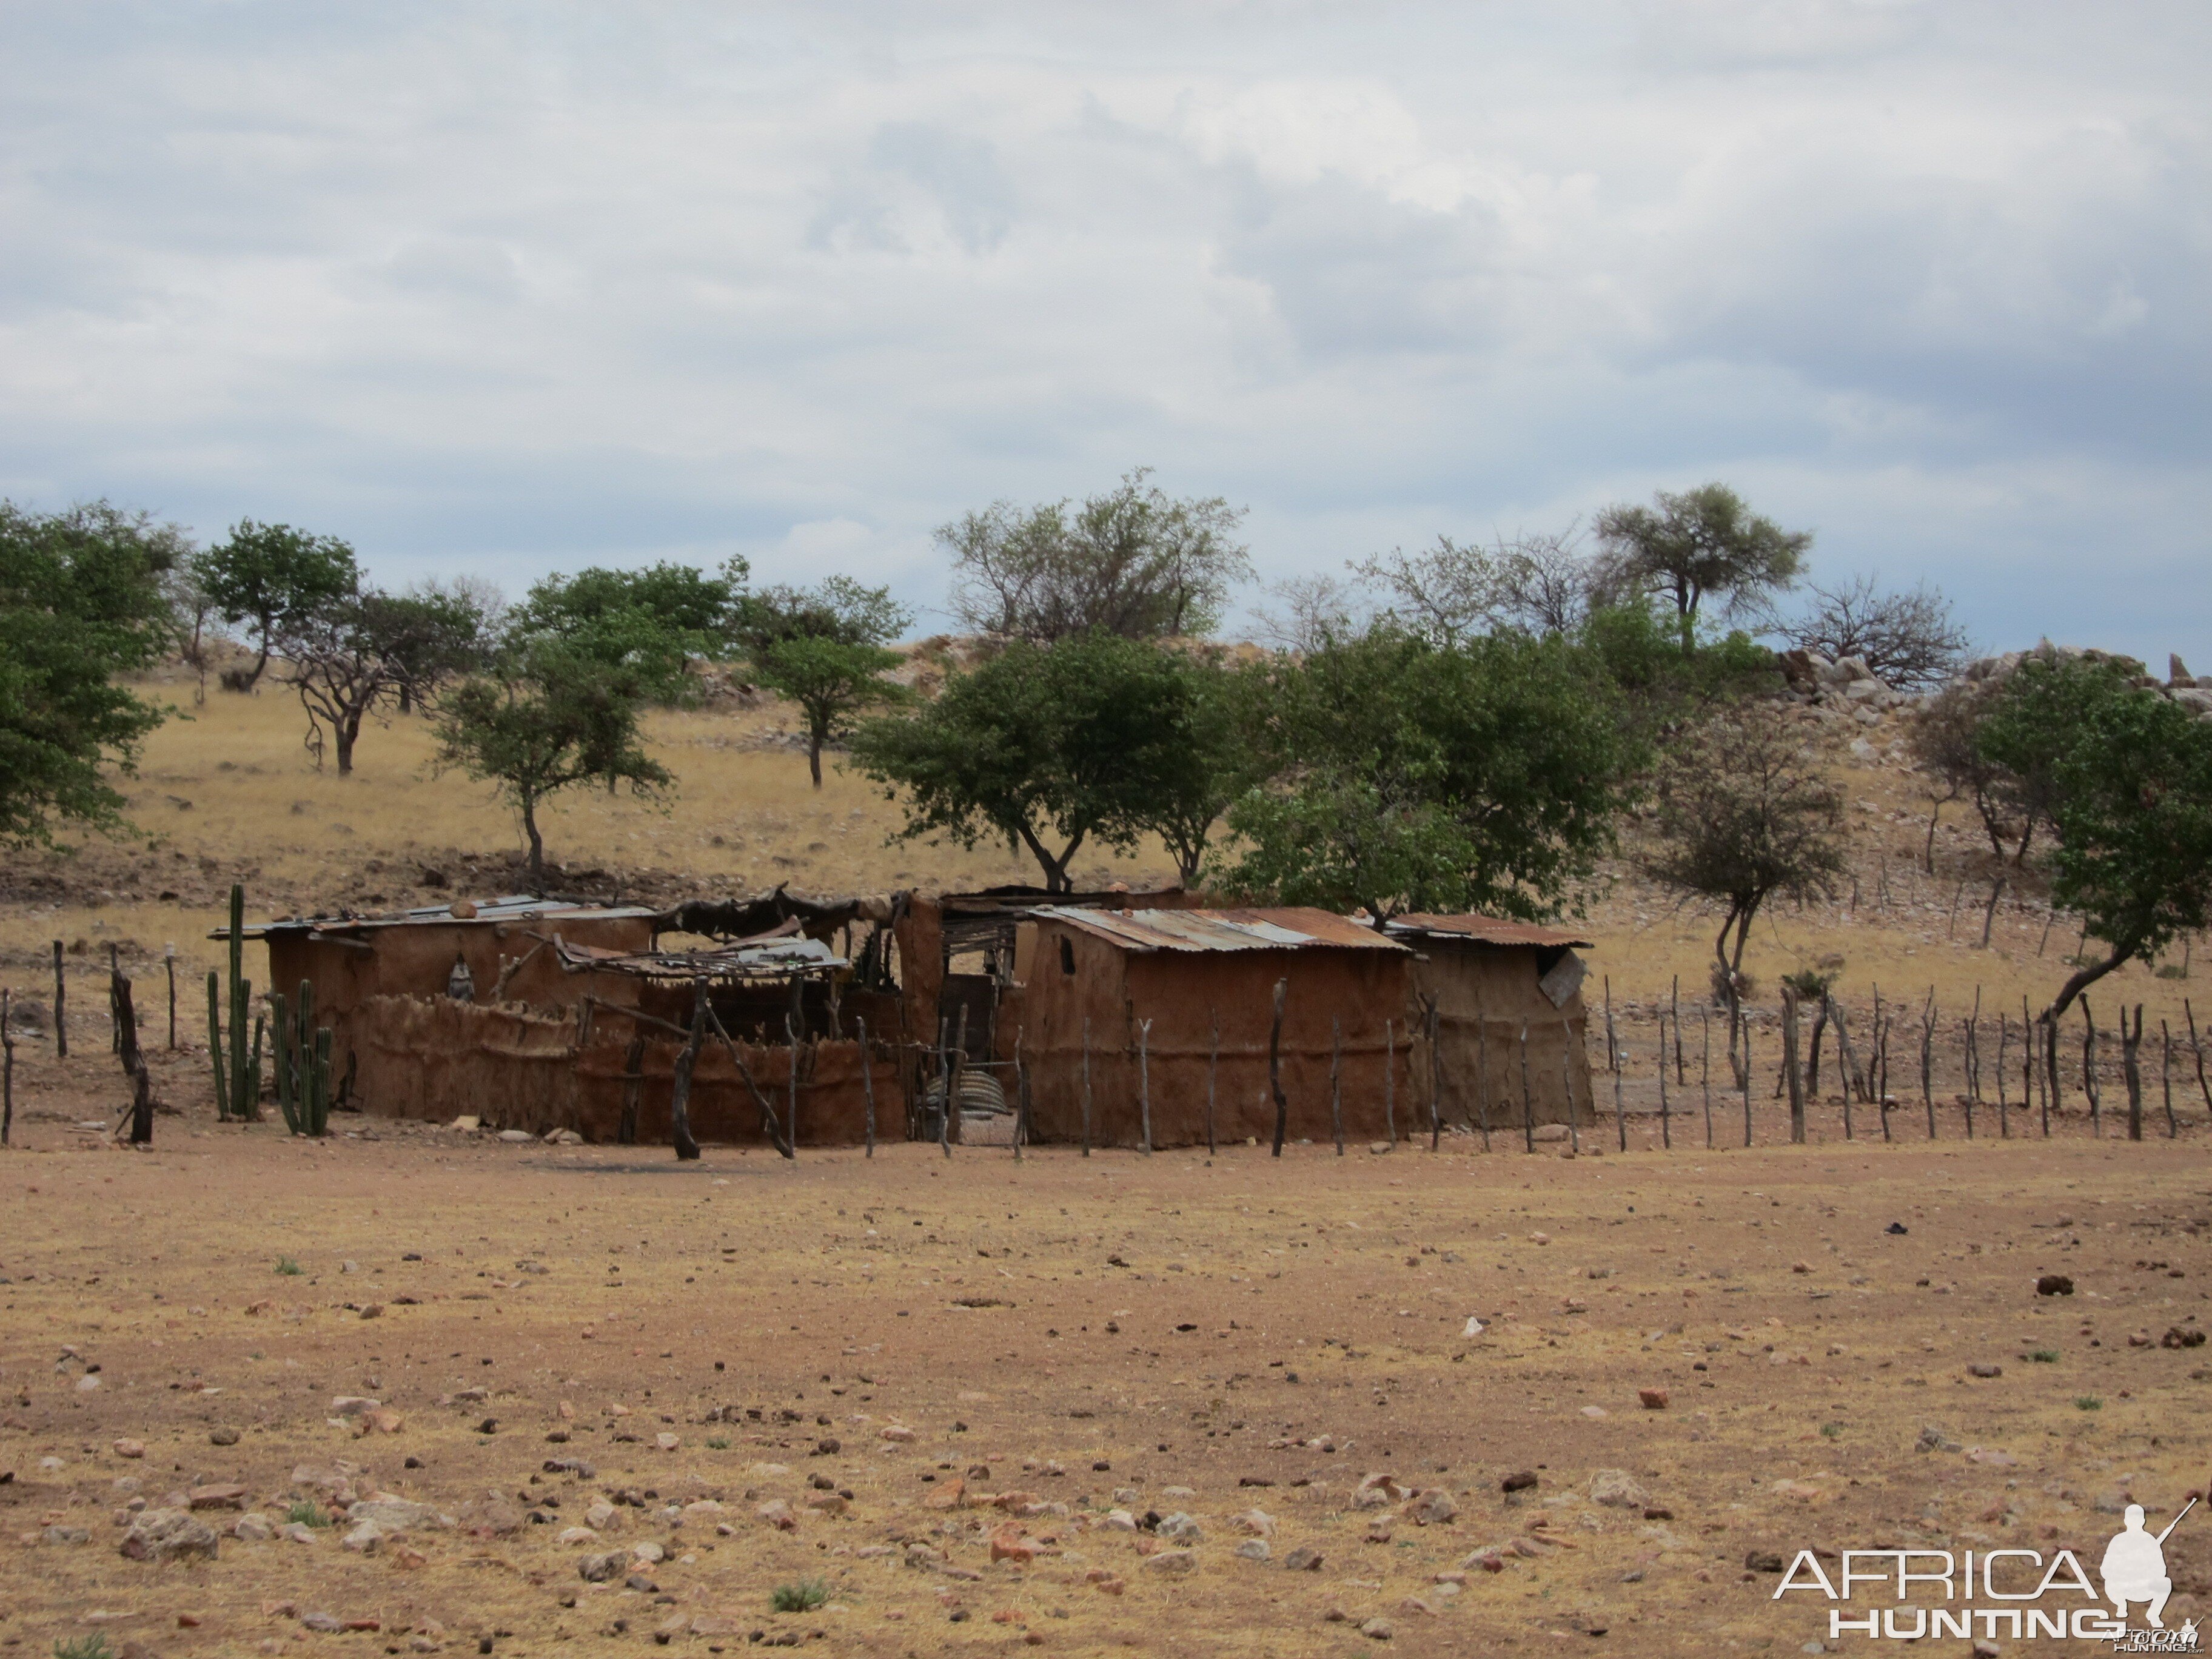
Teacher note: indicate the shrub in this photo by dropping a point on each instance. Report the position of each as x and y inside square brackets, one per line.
[307, 1514]
[287, 1267]
[2088, 1402]
[804, 1596]
[82, 1647]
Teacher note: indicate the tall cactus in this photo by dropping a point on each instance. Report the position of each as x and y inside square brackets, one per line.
[300, 1055]
[281, 1069]
[317, 1113]
[215, 1046]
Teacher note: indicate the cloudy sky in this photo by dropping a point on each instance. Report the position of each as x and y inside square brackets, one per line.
[510, 287]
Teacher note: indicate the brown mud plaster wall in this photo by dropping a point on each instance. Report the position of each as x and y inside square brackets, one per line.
[416, 960]
[1484, 992]
[517, 1068]
[1180, 992]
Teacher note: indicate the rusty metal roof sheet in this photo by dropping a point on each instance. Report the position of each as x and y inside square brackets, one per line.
[518, 907]
[1221, 930]
[1486, 930]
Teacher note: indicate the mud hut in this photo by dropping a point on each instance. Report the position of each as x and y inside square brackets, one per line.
[1176, 1006]
[1490, 979]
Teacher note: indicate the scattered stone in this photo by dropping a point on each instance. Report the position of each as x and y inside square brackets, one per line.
[130, 1449]
[599, 1569]
[1980, 1370]
[224, 1436]
[1935, 1438]
[1380, 1528]
[1652, 1400]
[1594, 1412]
[1172, 1563]
[1896, 1229]
[392, 1516]
[1304, 1558]
[253, 1527]
[1763, 1561]
[58, 1534]
[227, 1495]
[169, 1534]
[1519, 1481]
[777, 1514]
[352, 1405]
[1434, 1507]
[1257, 1523]
[1376, 1629]
[2181, 1336]
[2054, 1285]
[1179, 1525]
[1254, 1549]
[1616, 1489]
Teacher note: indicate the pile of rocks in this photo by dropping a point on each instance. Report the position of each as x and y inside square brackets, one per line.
[1843, 689]
[2191, 691]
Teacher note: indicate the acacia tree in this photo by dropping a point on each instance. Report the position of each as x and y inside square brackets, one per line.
[646, 623]
[823, 649]
[274, 578]
[1745, 815]
[542, 718]
[1134, 562]
[81, 601]
[1945, 737]
[1049, 747]
[1701, 543]
[2131, 804]
[350, 657]
[1402, 775]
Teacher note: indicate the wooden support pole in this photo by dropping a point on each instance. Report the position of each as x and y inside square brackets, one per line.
[1145, 1084]
[1613, 1050]
[2197, 1049]
[679, 1094]
[1745, 1025]
[867, 1080]
[1928, 1060]
[1704, 1071]
[2004, 1113]
[7, 1067]
[791, 1078]
[1335, 1080]
[134, 1062]
[61, 1006]
[1789, 1065]
[1086, 1085]
[777, 1139]
[957, 1062]
[1567, 1086]
[1527, 1097]
[1674, 1006]
[1482, 1072]
[1021, 1095]
[633, 1081]
[1212, 1069]
[1389, 1084]
[169, 962]
[1275, 1067]
[1990, 911]
[1666, 1124]
[1436, 1077]
[2165, 1076]
[2131, 1068]
[2089, 1085]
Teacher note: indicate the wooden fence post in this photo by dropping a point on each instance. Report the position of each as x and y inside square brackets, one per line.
[1612, 1058]
[2165, 1076]
[1528, 1099]
[1436, 1077]
[1705, 1070]
[2197, 1049]
[61, 1006]
[169, 962]
[2131, 1068]
[1928, 1060]
[7, 1068]
[1789, 1065]
[2004, 1114]
[679, 1095]
[1674, 1002]
[1335, 1083]
[867, 1080]
[1145, 1084]
[1567, 1083]
[1275, 1067]
[1389, 1085]
[1213, 1066]
[633, 1080]
[1746, 1022]
[1666, 1130]
[1021, 1095]
[2089, 1083]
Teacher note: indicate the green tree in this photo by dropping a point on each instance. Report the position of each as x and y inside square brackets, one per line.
[80, 603]
[272, 578]
[2131, 800]
[1406, 775]
[823, 649]
[1700, 543]
[1134, 562]
[1045, 747]
[352, 656]
[1745, 814]
[546, 716]
[647, 623]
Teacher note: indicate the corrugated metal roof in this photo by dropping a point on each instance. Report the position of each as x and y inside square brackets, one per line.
[1487, 930]
[761, 959]
[1221, 930]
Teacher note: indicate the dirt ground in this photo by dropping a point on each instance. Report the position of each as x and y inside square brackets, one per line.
[1052, 1341]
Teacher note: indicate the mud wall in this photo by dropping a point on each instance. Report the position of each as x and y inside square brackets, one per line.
[519, 1069]
[1183, 994]
[1484, 993]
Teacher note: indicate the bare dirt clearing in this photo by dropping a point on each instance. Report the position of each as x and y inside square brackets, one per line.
[881, 1375]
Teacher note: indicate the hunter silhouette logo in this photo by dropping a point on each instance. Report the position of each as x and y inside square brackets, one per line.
[2134, 1567]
